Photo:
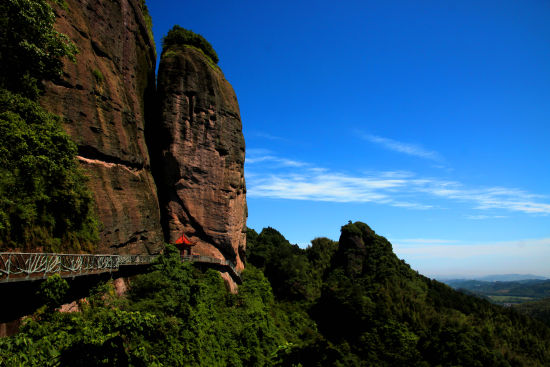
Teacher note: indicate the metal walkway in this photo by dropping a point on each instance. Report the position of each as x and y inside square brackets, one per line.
[20, 267]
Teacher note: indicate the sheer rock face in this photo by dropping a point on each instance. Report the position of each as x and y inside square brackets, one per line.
[201, 150]
[103, 98]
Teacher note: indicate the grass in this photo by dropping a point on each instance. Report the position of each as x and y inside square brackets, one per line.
[98, 75]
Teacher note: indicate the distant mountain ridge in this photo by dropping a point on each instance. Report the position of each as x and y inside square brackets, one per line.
[504, 292]
[492, 278]
[510, 277]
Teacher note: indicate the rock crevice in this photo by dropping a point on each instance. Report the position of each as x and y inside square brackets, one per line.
[160, 161]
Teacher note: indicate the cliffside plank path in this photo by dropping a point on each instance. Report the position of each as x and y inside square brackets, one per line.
[21, 267]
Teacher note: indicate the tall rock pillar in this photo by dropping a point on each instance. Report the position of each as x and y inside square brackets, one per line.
[103, 99]
[201, 151]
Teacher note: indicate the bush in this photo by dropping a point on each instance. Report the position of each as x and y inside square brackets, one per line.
[53, 290]
[181, 36]
[148, 20]
[43, 195]
[98, 76]
[31, 50]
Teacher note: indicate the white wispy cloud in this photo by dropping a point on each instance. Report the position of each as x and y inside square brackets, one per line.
[488, 198]
[401, 147]
[482, 217]
[270, 176]
[261, 155]
[269, 136]
[320, 186]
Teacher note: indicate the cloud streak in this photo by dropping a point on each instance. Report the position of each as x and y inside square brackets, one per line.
[255, 156]
[269, 176]
[405, 148]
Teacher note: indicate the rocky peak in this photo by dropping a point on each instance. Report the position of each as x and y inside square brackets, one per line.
[200, 155]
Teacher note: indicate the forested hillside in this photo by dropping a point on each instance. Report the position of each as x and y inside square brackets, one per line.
[346, 303]
[537, 309]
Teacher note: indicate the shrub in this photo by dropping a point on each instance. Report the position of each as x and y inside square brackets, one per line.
[52, 291]
[31, 50]
[148, 21]
[181, 36]
[98, 75]
[44, 200]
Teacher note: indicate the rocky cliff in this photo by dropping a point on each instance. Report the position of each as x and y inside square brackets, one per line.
[200, 150]
[191, 127]
[104, 98]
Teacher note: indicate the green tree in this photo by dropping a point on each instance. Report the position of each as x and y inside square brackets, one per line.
[52, 291]
[31, 50]
[43, 194]
[44, 198]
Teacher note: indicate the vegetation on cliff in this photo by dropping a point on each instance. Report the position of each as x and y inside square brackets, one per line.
[44, 201]
[148, 21]
[346, 303]
[179, 36]
[31, 50]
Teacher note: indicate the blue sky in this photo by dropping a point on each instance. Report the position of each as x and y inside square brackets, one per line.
[427, 120]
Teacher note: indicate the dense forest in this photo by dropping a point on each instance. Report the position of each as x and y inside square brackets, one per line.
[537, 309]
[345, 303]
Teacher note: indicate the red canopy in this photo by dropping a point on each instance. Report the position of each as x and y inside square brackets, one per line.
[183, 240]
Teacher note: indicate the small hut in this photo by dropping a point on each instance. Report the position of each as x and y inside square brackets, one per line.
[184, 245]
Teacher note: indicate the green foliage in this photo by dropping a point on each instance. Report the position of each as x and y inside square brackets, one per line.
[43, 194]
[372, 310]
[179, 36]
[286, 266]
[538, 309]
[98, 75]
[148, 21]
[30, 49]
[214, 327]
[52, 291]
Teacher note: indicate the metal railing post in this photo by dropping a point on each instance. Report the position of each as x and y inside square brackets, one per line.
[46, 268]
[9, 266]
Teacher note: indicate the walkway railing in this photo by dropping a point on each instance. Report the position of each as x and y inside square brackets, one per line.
[17, 266]
[24, 266]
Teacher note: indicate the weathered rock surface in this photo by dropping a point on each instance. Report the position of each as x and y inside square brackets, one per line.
[200, 155]
[103, 98]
